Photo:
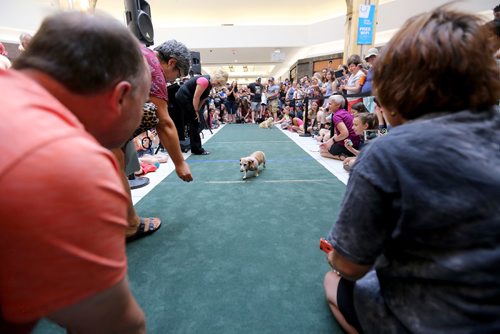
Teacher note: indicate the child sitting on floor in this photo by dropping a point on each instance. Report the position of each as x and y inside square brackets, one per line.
[365, 125]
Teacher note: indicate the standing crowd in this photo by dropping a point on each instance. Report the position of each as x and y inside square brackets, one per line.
[416, 243]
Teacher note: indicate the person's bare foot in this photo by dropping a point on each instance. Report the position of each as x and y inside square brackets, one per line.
[146, 227]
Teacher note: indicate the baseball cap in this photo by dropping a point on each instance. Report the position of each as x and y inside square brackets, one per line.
[371, 52]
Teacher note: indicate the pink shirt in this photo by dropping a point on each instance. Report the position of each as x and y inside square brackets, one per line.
[203, 82]
[158, 83]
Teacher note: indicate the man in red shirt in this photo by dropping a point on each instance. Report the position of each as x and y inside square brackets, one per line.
[62, 204]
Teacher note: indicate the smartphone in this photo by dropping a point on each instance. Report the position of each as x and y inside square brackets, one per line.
[325, 246]
[339, 73]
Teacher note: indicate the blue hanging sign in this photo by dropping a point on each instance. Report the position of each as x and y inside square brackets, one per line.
[365, 24]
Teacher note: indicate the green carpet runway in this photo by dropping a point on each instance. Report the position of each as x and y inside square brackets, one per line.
[233, 255]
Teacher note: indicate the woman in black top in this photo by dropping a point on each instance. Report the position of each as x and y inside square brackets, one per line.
[190, 98]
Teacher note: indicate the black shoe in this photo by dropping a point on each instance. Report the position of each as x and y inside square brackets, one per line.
[201, 153]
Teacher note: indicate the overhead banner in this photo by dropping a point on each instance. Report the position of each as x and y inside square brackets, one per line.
[365, 24]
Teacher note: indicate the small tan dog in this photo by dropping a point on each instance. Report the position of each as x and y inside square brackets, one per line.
[252, 163]
[267, 124]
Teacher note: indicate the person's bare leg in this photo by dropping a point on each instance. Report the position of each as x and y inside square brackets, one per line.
[331, 284]
[132, 217]
[325, 154]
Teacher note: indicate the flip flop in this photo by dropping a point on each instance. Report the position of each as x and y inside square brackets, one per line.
[140, 229]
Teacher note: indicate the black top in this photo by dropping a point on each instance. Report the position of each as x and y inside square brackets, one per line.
[231, 96]
[187, 90]
[422, 205]
[255, 89]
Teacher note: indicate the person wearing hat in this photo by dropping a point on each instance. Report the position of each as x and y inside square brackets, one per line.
[370, 58]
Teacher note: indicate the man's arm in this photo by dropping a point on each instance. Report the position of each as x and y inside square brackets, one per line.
[168, 136]
[111, 311]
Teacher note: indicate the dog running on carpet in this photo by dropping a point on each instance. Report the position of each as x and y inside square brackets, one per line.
[252, 163]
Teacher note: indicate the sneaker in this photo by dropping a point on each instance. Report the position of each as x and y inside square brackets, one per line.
[201, 153]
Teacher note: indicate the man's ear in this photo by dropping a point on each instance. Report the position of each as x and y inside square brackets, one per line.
[120, 92]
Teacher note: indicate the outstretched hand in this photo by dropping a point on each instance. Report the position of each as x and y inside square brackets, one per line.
[184, 172]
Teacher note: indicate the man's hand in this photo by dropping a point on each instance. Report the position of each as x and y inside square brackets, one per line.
[183, 172]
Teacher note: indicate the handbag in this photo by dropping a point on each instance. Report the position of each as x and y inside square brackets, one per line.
[149, 119]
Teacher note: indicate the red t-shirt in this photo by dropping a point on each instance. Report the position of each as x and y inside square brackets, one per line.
[62, 206]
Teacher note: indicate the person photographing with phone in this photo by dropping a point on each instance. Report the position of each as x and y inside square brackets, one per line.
[355, 81]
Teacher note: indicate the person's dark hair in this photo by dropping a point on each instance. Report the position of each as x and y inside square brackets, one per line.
[178, 51]
[87, 53]
[354, 59]
[496, 9]
[438, 61]
[375, 100]
[359, 107]
[368, 118]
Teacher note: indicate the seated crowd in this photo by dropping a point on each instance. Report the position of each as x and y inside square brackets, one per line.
[415, 246]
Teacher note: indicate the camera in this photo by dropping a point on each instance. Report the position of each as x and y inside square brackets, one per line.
[325, 246]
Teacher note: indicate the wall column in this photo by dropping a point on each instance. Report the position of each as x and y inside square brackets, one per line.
[351, 28]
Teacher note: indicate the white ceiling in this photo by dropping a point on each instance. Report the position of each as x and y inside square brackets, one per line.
[241, 33]
[222, 15]
[192, 13]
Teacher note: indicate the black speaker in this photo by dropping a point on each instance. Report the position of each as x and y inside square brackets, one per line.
[195, 63]
[138, 16]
